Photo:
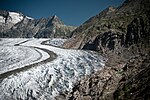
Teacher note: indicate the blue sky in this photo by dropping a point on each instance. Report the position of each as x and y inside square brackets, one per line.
[71, 12]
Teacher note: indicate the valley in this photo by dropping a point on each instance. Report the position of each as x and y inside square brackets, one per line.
[105, 58]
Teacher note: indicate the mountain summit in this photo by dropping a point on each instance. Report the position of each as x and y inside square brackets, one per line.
[16, 25]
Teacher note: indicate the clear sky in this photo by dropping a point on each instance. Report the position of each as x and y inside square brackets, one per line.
[71, 12]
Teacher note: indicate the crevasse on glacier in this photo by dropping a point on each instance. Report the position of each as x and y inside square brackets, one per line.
[45, 81]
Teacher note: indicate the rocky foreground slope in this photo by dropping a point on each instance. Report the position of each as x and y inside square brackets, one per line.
[17, 25]
[122, 35]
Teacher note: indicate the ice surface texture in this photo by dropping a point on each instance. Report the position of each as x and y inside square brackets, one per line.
[46, 81]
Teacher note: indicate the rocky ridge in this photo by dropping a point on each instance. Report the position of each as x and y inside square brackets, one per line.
[17, 25]
[113, 28]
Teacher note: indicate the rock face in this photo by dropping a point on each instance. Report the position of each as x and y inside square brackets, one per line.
[123, 36]
[15, 25]
[134, 84]
[114, 28]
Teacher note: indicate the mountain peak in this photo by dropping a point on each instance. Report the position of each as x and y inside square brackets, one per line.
[54, 17]
[55, 20]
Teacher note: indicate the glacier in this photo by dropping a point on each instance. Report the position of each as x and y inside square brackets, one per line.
[45, 80]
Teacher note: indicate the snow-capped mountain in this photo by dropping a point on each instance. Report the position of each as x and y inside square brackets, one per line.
[14, 17]
[9, 19]
[14, 24]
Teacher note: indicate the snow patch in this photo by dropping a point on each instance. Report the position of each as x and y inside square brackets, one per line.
[29, 18]
[2, 19]
[15, 17]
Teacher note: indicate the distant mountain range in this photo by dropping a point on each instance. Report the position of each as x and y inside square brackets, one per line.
[17, 25]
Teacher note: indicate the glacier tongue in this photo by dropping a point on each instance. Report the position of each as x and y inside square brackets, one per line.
[46, 81]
